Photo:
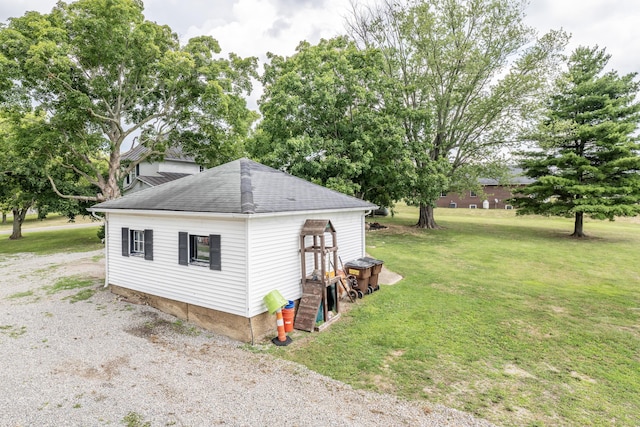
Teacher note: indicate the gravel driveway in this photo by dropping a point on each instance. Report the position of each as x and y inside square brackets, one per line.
[104, 361]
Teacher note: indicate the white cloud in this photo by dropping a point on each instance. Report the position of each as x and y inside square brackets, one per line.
[255, 27]
[609, 24]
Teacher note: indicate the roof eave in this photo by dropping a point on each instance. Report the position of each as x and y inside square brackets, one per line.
[169, 213]
[227, 215]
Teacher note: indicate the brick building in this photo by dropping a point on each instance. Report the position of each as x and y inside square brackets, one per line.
[494, 194]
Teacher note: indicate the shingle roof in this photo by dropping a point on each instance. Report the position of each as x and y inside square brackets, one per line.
[516, 177]
[242, 186]
[162, 179]
[172, 153]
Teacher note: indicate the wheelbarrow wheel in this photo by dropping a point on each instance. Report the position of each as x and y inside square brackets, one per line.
[353, 294]
[353, 282]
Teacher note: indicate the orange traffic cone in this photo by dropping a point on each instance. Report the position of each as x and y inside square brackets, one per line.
[282, 338]
[274, 302]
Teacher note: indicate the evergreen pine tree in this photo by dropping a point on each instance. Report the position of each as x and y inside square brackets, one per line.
[587, 158]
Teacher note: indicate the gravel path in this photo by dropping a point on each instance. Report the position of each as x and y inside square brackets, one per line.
[104, 361]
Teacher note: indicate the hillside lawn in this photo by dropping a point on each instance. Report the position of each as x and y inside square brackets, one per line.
[505, 317]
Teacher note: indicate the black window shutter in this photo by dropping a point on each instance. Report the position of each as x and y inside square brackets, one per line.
[125, 241]
[183, 248]
[148, 245]
[215, 261]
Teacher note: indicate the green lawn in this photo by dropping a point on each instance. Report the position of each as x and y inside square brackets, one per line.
[54, 241]
[504, 317]
[32, 221]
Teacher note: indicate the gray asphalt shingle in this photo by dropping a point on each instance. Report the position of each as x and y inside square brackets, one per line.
[172, 153]
[163, 178]
[242, 186]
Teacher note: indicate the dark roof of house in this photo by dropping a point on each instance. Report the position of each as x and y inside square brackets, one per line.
[162, 179]
[172, 154]
[242, 186]
[516, 177]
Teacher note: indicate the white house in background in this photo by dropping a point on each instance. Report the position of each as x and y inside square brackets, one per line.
[208, 247]
[147, 174]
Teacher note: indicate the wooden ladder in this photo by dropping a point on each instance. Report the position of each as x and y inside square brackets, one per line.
[308, 307]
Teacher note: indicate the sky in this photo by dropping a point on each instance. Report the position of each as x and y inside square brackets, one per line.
[255, 27]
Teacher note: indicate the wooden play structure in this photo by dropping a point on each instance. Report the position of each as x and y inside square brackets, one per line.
[319, 302]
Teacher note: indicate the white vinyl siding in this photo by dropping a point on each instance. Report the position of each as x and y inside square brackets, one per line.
[220, 290]
[178, 167]
[271, 259]
[274, 251]
[147, 168]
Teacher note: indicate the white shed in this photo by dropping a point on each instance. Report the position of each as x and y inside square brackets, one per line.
[208, 247]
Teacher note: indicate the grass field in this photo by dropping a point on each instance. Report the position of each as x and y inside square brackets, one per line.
[52, 220]
[54, 241]
[46, 242]
[504, 317]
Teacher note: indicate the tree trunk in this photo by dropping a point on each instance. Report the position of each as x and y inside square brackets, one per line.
[111, 189]
[4, 217]
[18, 218]
[426, 219]
[578, 226]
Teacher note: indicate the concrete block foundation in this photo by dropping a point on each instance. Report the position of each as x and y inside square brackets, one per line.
[237, 327]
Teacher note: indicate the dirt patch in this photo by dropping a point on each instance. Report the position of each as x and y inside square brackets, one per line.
[159, 328]
[85, 268]
[104, 372]
[582, 377]
[375, 226]
[515, 371]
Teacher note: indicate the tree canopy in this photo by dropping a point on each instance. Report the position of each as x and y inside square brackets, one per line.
[587, 157]
[325, 120]
[105, 76]
[24, 169]
[464, 73]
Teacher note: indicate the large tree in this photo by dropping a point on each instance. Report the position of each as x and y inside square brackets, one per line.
[105, 77]
[587, 156]
[325, 120]
[466, 73]
[24, 169]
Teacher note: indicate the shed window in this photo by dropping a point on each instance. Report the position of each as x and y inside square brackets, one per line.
[131, 176]
[473, 206]
[137, 243]
[473, 194]
[199, 250]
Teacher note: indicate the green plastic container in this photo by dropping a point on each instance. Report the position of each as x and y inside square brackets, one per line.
[274, 301]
